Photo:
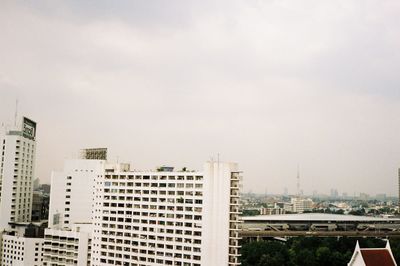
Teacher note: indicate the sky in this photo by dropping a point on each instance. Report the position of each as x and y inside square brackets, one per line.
[272, 85]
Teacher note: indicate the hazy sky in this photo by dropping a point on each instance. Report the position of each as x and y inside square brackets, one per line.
[268, 84]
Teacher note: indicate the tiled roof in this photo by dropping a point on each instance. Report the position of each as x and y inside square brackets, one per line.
[377, 257]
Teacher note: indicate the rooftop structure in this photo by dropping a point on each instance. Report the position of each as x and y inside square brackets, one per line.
[94, 154]
[372, 256]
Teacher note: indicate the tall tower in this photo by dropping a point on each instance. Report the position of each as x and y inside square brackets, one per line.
[399, 186]
[17, 166]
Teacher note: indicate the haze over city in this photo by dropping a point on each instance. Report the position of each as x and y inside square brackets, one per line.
[268, 84]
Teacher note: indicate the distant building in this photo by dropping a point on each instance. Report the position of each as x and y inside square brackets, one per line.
[372, 256]
[381, 197]
[285, 192]
[40, 206]
[45, 188]
[364, 196]
[36, 184]
[272, 211]
[334, 193]
[301, 205]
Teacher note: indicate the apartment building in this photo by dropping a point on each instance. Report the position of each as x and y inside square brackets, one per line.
[17, 166]
[22, 247]
[300, 205]
[71, 197]
[68, 247]
[68, 238]
[167, 217]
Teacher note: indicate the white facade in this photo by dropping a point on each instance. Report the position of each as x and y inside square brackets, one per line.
[68, 238]
[300, 205]
[17, 165]
[220, 238]
[68, 247]
[21, 251]
[167, 218]
[71, 197]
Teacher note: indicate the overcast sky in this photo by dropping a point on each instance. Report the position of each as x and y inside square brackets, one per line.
[268, 84]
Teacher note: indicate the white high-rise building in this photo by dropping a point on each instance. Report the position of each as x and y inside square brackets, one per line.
[68, 238]
[166, 217]
[106, 214]
[17, 166]
[71, 197]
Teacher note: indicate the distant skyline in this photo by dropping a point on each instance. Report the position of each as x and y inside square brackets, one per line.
[268, 84]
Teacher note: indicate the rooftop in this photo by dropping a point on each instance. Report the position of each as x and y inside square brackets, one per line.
[375, 257]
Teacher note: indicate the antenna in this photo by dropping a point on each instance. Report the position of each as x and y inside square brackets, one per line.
[16, 112]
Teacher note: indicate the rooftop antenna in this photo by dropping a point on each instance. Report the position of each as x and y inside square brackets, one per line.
[298, 181]
[16, 112]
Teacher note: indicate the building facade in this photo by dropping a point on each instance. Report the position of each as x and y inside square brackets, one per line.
[68, 238]
[167, 218]
[71, 197]
[21, 251]
[68, 247]
[106, 214]
[300, 205]
[17, 167]
[22, 246]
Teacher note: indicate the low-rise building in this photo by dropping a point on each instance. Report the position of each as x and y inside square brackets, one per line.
[68, 247]
[22, 247]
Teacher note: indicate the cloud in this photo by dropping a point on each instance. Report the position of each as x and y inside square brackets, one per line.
[269, 84]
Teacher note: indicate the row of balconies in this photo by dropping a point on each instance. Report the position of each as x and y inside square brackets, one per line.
[61, 253]
[153, 193]
[152, 254]
[62, 261]
[62, 239]
[173, 200]
[154, 177]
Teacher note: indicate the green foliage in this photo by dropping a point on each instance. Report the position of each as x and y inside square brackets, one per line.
[250, 212]
[311, 251]
[360, 212]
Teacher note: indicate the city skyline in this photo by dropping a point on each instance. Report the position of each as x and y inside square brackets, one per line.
[271, 85]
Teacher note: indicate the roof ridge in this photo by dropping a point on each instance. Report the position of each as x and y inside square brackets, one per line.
[373, 249]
